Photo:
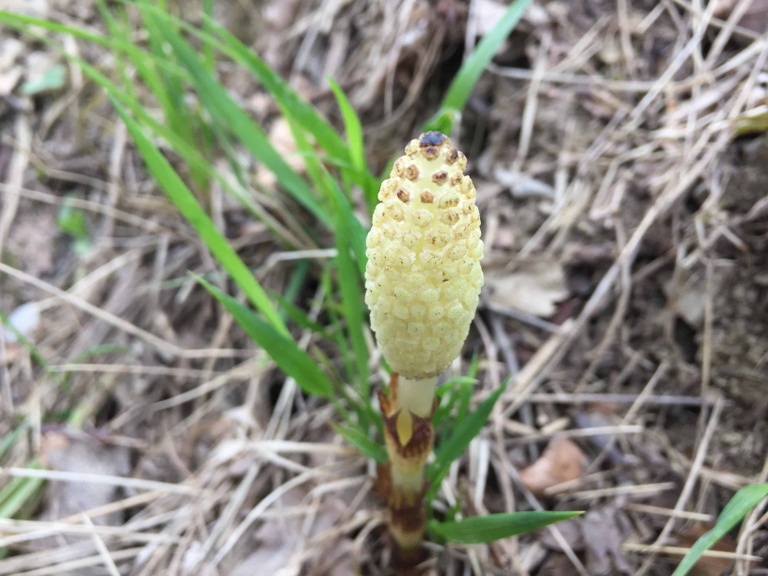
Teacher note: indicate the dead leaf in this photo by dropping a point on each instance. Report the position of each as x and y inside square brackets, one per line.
[689, 297]
[72, 451]
[602, 540]
[571, 532]
[24, 320]
[533, 286]
[281, 138]
[32, 238]
[521, 186]
[562, 461]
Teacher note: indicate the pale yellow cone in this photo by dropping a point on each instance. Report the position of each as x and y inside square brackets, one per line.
[423, 276]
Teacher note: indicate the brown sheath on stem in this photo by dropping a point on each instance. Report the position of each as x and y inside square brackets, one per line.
[409, 439]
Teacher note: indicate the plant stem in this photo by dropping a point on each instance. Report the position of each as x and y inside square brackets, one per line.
[409, 437]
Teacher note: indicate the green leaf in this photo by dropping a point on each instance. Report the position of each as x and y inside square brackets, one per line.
[185, 201]
[462, 434]
[742, 503]
[53, 79]
[362, 442]
[281, 348]
[71, 221]
[483, 529]
[462, 85]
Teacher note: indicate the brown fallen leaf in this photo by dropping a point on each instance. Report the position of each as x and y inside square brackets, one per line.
[600, 534]
[73, 451]
[33, 240]
[602, 540]
[281, 138]
[532, 286]
[562, 461]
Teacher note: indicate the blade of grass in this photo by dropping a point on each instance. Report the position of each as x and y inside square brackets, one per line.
[462, 434]
[361, 405]
[484, 529]
[281, 348]
[352, 126]
[301, 318]
[181, 196]
[742, 503]
[125, 95]
[177, 132]
[362, 442]
[450, 393]
[349, 226]
[462, 85]
[291, 104]
[351, 302]
[168, 88]
[226, 112]
[18, 492]
[10, 439]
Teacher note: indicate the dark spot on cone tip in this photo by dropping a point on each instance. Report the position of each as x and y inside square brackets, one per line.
[433, 138]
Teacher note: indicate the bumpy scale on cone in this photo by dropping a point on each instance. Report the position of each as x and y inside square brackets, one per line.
[423, 282]
[423, 276]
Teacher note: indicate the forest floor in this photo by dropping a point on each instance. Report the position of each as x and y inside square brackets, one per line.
[620, 155]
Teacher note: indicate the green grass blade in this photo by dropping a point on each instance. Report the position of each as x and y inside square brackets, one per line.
[742, 503]
[352, 305]
[292, 105]
[352, 127]
[464, 82]
[449, 394]
[360, 173]
[166, 86]
[181, 196]
[300, 317]
[17, 494]
[227, 113]
[7, 441]
[25, 23]
[208, 49]
[121, 32]
[362, 442]
[484, 529]
[281, 348]
[461, 435]
[350, 227]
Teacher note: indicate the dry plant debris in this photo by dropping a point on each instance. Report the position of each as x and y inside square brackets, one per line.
[603, 142]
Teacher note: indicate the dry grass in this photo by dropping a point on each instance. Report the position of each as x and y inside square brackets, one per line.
[602, 143]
